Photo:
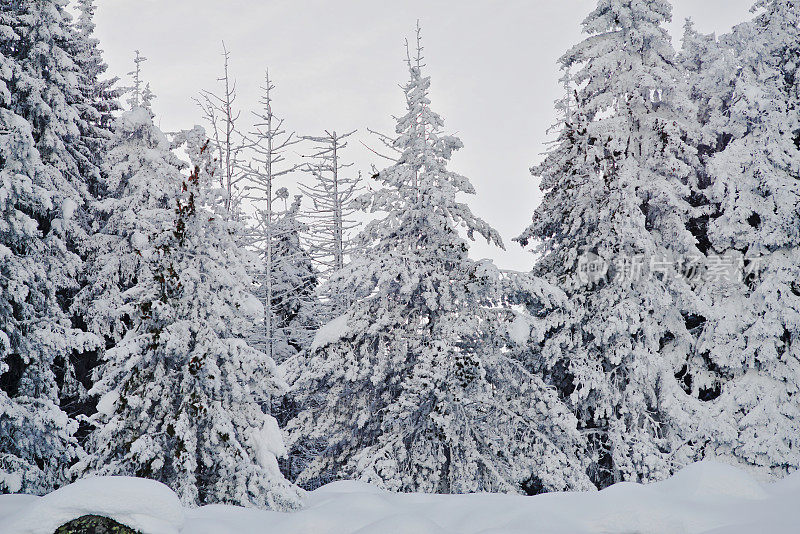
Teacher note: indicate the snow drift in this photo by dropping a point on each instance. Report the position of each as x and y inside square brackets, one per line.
[705, 498]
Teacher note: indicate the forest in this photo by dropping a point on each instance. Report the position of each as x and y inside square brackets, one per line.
[195, 309]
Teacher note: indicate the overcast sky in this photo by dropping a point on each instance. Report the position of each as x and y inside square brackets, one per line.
[337, 65]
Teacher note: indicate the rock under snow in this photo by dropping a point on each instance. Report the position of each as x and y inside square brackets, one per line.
[143, 505]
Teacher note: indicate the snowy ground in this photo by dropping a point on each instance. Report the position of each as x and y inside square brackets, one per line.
[704, 498]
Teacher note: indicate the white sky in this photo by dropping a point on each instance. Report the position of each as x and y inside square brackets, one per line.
[337, 65]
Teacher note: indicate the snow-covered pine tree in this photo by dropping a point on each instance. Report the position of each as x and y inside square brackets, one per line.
[141, 178]
[140, 182]
[98, 97]
[295, 278]
[286, 278]
[410, 388]
[36, 437]
[97, 104]
[612, 232]
[44, 225]
[45, 91]
[711, 68]
[284, 274]
[40, 195]
[332, 197]
[182, 391]
[754, 334]
[52, 91]
[45, 82]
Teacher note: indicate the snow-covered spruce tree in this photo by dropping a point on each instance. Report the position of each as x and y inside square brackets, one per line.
[754, 336]
[96, 105]
[98, 97]
[295, 306]
[45, 82]
[711, 68]
[294, 278]
[410, 388]
[286, 278]
[140, 182]
[182, 390]
[333, 196]
[36, 443]
[38, 200]
[53, 89]
[616, 184]
[284, 274]
[45, 89]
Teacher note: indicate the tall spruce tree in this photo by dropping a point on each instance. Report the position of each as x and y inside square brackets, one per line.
[58, 90]
[754, 336]
[140, 183]
[711, 66]
[411, 388]
[295, 278]
[97, 105]
[39, 194]
[612, 233]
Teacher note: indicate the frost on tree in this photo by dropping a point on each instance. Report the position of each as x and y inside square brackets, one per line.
[754, 336]
[181, 392]
[38, 200]
[711, 68]
[411, 388]
[612, 232]
[228, 144]
[332, 203]
[284, 274]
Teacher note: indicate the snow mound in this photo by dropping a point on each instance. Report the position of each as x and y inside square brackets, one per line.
[712, 480]
[143, 505]
[348, 486]
[402, 524]
[790, 484]
[705, 498]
